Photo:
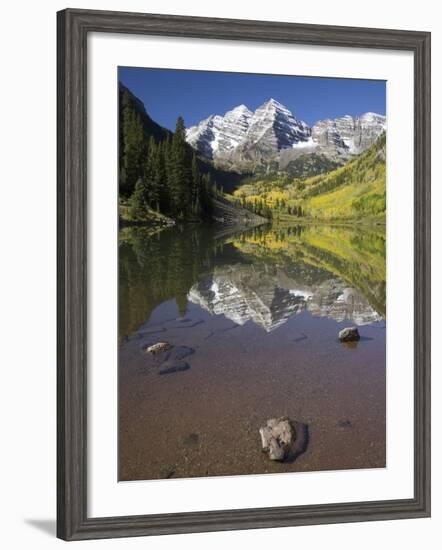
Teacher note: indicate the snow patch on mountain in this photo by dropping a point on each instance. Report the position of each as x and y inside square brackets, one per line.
[304, 144]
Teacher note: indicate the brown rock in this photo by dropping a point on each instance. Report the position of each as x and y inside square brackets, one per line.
[159, 347]
[277, 437]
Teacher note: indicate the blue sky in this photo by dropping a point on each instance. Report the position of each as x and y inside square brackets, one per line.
[169, 93]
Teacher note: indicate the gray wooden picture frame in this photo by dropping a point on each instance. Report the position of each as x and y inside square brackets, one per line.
[74, 25]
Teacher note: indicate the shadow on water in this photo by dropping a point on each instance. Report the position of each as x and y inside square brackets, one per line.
[301, 441]
[332, 271]
[355, 344]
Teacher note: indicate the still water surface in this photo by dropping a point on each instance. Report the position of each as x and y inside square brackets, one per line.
[257, 315]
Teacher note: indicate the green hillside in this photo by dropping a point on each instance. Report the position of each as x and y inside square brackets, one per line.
[356, 191]
[310, 165]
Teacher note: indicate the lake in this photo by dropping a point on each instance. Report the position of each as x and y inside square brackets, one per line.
[254, 318]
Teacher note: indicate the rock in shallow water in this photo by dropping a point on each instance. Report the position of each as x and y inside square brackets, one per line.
[277, 437]
[159, 347]
[349, 334]
[169, 367]
[173, 361]
[179, 352]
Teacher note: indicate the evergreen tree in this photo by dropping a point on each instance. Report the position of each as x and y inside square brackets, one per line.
[196, 188]
[132, 142]
[167, 162]
[206, 196]
[180, 177]
[161, 174]
[138, 202]
[152, 174]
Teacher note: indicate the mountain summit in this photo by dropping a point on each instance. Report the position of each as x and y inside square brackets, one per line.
[271, 127]
[245, 139]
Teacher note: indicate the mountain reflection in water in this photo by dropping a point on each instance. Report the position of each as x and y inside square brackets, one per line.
[264, 275]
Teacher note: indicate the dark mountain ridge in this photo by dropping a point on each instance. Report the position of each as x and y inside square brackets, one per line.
[226, 179]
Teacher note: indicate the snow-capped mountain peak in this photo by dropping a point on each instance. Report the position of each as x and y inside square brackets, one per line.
[349, 134]
[220, 134]
[242, 136]
[274, 104]
[241, 109]
[272, 126]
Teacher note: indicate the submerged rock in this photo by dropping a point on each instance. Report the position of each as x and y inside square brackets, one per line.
[185, 323]
[159, 347]
[169, 367]
[345, 424]
[349, 334]
[179, 352]
[277, 437]
[191, 440]
[173, 361]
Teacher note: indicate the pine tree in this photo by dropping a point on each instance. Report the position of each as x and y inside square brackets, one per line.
[152, 174]
[196, 188]
[133, 146]
[138, 202]
[167, 164]
[171, 179]
[206, 197]
[181, 177]
[161, 175]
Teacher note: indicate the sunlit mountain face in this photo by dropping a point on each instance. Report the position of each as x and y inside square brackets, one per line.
[242, 137]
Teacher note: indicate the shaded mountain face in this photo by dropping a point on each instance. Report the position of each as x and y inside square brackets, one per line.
[242, 139]
[150, 127]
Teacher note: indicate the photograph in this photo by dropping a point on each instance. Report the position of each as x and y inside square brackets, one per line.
[252, 273]
[222, 267]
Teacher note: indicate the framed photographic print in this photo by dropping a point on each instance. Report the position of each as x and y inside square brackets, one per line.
[243, 274]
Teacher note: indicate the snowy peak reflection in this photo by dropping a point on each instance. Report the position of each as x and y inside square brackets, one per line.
[270, 296]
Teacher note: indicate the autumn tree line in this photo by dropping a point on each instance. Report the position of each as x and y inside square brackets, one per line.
[160, 174]
[261, 207]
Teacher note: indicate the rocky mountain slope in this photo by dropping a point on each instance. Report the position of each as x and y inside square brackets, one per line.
[230, 213]
[272, 138]
[355, 191]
